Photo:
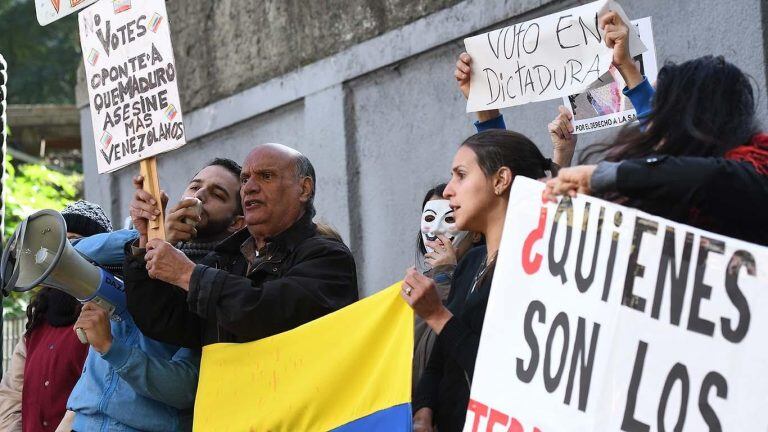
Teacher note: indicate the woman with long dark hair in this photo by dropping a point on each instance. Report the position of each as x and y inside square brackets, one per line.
[482, 173]
[696, 157]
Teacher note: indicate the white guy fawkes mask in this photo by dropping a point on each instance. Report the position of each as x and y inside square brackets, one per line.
[437, 218]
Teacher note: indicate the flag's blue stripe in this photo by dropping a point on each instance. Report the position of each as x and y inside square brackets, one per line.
[394, 419]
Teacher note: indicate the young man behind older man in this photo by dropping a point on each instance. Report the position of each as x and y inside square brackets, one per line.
[275, 274]
[130, 381]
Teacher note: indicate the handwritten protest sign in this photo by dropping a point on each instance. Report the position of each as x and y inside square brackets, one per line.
[604, 318]
[49, 11]
[131, 80]
[545, 58]
[604, 105]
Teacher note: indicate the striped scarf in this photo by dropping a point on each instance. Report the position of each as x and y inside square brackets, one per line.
[196, 250]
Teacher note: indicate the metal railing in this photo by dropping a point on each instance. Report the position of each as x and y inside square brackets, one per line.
[13, 331]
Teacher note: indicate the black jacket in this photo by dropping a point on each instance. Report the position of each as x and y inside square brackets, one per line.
[723, 196]
[444, 386]
[303, 276]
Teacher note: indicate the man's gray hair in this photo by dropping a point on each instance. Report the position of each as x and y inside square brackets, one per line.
[304, 169]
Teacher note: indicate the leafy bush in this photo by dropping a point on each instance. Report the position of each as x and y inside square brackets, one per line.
[29, 188]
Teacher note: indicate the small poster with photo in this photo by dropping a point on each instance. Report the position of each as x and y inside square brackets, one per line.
[603, 105]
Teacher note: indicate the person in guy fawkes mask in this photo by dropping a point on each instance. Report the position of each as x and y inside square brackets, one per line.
[439, 248]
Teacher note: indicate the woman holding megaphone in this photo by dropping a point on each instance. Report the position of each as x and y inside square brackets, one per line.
[48, 360]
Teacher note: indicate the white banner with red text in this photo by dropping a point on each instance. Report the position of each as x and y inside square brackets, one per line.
[605, 318]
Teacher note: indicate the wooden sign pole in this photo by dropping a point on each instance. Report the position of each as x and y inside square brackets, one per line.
[148, 168]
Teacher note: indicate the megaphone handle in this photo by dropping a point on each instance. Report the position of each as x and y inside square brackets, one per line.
[10, 283]
[148, 168]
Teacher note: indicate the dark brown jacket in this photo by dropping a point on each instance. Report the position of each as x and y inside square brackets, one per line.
[303, 276]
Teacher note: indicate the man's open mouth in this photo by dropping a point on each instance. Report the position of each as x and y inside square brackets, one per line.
[253, 203]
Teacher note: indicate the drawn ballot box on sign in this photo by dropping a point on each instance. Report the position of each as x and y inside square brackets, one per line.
[93, 57]
[170, 112]
[154, 22]
[121, 5]
[106, 140]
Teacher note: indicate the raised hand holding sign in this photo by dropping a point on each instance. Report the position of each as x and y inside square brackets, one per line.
[545, 58]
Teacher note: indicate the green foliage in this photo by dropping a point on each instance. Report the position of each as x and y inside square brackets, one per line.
[33, 187]
[42, 61]
[29, 188]
[42, 67]
[16, 304]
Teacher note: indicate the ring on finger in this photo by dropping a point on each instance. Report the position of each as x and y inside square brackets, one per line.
[408, 291]
[82, 335]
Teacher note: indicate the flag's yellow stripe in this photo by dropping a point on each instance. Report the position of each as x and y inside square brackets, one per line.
[321, 375]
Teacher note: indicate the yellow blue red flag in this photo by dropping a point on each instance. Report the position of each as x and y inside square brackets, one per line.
[348, 371]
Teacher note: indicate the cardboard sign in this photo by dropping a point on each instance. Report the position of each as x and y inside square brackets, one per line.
[49, 11]
[542, 59]
[604, 105]
[131, 80]
[605, 318]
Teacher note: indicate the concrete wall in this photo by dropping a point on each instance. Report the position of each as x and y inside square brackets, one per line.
[226, 46]
[381, 118]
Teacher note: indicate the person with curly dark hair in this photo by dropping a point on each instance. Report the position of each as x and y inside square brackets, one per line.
[697, 156]
[483, 170]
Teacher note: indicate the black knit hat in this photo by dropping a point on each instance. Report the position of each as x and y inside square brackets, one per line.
[86, 219]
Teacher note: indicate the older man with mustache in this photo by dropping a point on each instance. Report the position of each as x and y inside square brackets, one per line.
[272, 276]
